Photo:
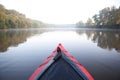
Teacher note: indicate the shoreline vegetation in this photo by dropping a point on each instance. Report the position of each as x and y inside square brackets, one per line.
[108, 17]
[14, 19]
[101, 26]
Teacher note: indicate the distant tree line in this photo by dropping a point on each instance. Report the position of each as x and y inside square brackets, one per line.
[14, 19]
[109, 16]
[89, 22]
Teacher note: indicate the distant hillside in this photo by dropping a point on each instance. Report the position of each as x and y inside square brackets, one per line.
[14, 19]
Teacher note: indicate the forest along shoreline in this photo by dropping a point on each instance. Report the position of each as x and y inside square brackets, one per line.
[14, 19]
[108, 17]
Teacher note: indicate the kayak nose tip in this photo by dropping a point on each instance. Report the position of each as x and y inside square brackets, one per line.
[59, 44]
[58, 49]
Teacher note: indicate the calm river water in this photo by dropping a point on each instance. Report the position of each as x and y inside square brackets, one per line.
[23, 50]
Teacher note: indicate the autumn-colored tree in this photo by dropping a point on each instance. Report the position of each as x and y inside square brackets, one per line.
[14, 19]
[80, 23]
[89, 22]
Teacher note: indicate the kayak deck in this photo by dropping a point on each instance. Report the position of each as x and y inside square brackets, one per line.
[60, 70]
[60, 65]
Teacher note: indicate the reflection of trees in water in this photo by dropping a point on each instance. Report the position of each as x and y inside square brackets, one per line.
[14, 37]
[104, 39]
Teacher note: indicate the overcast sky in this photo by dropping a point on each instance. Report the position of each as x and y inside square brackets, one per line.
[59, 11]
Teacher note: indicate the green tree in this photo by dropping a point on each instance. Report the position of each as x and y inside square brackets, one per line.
[108, 16]
[96, 19]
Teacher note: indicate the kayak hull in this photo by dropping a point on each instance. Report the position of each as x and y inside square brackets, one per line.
[60, 65]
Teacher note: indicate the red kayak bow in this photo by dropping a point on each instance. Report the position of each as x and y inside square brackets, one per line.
[60, 65]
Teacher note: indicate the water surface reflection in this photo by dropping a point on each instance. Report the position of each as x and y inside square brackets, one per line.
[13, 37]
[106, 39]
[25, 50]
